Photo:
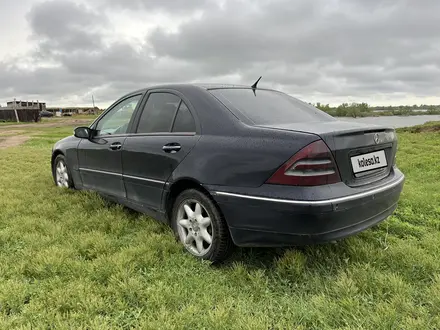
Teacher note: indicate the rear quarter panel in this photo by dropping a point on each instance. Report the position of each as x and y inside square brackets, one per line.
[246, 159]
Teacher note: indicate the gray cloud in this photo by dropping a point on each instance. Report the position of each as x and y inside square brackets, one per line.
[304, 43]
[320, 49]
[170, 6]
[65, 26]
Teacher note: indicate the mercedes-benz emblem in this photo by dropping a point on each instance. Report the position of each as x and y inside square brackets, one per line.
[376, 138]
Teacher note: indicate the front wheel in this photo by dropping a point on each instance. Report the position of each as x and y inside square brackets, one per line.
[200, 226]
[61, 173]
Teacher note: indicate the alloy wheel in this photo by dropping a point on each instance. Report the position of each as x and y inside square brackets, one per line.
[195, 227]
[62, 176]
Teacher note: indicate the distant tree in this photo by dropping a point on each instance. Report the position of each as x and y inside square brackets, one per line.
[363, 107]
[354, 110]
[342, 110]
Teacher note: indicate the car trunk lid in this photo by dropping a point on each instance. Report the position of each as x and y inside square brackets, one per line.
[363, 153]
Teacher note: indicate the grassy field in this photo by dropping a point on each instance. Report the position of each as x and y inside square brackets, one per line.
[70, 260]
[7, 123]
[51, 120]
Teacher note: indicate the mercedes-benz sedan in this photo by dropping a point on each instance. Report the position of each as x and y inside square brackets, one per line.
[235, 165]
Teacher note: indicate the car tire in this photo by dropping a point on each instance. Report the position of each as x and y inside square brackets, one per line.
[61, 173]
[201, 229]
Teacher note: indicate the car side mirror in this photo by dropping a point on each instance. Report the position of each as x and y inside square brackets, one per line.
[83, 132]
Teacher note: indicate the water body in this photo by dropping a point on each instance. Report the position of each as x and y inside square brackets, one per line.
[394, 121]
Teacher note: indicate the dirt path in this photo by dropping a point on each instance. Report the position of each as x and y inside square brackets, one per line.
[16, 134]
[11, 132]
[51, 123]
[13, 141]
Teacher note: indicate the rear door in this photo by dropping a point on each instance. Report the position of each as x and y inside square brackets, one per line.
[100, 158]
[165, 133]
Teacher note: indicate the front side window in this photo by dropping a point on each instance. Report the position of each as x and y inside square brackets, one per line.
[158, 114]
[117, 119]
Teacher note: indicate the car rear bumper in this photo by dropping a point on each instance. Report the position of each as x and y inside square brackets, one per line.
[257, 220]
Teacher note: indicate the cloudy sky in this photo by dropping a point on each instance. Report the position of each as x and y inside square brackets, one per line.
[332, 51]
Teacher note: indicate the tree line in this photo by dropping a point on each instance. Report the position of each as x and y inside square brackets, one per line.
[365, 110]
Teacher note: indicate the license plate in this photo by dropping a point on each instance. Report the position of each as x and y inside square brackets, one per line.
[368, 162]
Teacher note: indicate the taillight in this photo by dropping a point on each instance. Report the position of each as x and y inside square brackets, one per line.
[311, 166]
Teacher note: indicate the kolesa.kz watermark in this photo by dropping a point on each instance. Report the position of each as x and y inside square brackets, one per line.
[368, 161]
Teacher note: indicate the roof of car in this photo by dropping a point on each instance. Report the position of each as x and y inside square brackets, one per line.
[206, 86]
[218, 86]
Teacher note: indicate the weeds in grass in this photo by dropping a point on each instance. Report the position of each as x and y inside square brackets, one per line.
[69, 259]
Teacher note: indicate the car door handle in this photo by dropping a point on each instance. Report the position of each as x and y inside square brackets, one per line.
[115, 146]
[171, 148]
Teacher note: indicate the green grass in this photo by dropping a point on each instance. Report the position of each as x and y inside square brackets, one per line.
[430, 126]
[91, 117]
[67, 118]
[70, 260]
[7, 123]
[52, 120]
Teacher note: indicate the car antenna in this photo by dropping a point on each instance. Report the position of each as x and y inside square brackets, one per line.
[254, 86]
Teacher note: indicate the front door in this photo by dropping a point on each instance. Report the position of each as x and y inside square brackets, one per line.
[100, 158]
[165, 134]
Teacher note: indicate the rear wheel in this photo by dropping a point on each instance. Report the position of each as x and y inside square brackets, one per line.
[200, 227]
[61, 173]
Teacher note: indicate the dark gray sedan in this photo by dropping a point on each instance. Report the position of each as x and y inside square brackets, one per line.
[235, 165]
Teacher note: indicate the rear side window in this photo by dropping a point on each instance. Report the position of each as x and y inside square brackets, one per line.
[268, 107]
[158, 113]
[184, 122]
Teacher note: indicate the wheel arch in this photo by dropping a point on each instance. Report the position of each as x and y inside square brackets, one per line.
[177, 188]
[55, 153]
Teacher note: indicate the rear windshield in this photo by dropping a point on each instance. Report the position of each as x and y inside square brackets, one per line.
[268, 107]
